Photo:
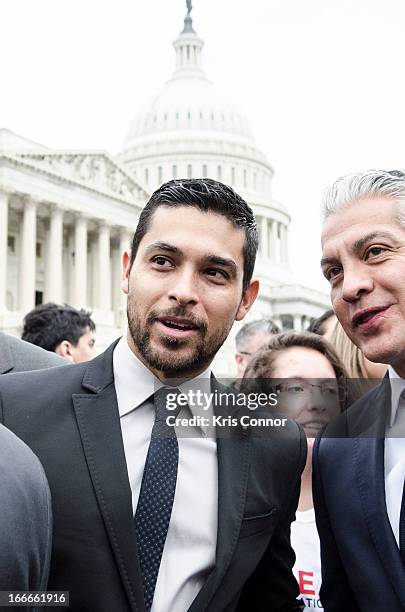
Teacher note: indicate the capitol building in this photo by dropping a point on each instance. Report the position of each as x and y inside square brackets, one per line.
[67, 216]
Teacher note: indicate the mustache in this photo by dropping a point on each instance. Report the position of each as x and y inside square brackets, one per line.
[177, 311]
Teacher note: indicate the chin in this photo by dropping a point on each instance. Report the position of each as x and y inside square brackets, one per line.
[380, 353]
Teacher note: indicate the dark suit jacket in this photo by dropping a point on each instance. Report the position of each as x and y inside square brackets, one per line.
[19, 356]
[69, 417]
[361, 565]
[25, 518]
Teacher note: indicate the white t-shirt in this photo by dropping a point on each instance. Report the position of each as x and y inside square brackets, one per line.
[307, 568]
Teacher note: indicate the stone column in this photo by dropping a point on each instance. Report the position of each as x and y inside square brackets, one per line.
[283, 238]
[297, 322]
[28, 256]
[273, 240]
[3, 249]
[285, 244]
[80, 264]
[54, 269]
[103, 298]
[264, 233]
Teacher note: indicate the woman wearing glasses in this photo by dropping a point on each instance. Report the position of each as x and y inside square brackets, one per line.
[309, 379]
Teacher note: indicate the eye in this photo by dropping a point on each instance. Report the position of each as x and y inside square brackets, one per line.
[330, 273]
[331, 391]
[216, 274]
[295, 389]
[162, 261]
[374, 251]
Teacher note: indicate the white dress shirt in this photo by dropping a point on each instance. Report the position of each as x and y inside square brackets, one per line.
[394, 452]
[189, 551]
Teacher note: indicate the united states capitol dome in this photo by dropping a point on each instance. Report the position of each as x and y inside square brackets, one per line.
[190, 102]
[193, 128]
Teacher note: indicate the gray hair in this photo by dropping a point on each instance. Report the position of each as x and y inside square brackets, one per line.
[264, 326]
[372, 184]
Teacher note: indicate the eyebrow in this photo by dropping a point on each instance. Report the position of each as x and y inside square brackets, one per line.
[163, 246]
[222, 261]
[209, 257]
[359, 245]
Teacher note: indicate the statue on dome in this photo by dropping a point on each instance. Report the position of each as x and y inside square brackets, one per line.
[188, 22]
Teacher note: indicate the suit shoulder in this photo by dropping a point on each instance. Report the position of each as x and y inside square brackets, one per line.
[27, 356]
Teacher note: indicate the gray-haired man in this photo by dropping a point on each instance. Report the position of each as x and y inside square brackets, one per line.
[359, 463]
[249, 339]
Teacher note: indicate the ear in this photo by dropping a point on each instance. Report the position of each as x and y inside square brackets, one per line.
[239, 358]
[126, 269]
[64, 349]
[248, 299]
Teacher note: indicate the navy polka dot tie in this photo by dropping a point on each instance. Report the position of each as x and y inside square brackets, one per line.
[155, 502]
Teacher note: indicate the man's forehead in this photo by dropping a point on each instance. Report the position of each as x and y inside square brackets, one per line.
[359, 220]
[190, 229]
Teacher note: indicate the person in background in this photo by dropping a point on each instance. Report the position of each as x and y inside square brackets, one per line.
[322, 324]
[249, 339]
[62, 329]
[25, 503]
[356, 364]
[309, 379]
[25, 518]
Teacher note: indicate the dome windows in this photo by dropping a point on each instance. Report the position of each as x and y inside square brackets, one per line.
[205, 170]
[189, 171]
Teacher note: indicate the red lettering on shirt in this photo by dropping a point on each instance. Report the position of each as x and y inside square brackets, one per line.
[305, 580]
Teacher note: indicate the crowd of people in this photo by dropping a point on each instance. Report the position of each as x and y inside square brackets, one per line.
[104, 498]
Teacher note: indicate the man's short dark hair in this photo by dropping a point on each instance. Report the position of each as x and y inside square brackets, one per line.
[206, 195]
[261, 326]
[47, 325]
[317, 326]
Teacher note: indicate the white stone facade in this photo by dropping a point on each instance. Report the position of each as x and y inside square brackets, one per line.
[65, 219]
[67, 216]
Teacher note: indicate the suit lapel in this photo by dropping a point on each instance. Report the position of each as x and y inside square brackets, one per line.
[233, 455]
[369, 462]
[99, 427]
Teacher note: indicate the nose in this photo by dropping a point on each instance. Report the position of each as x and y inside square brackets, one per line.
[184, 288]
[356, 283]
[316, 400]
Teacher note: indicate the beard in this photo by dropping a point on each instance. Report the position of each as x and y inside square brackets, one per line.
[174, 362]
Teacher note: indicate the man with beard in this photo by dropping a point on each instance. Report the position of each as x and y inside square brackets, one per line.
[146, 519]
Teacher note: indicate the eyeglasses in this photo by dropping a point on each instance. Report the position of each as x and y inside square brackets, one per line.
[303, 389]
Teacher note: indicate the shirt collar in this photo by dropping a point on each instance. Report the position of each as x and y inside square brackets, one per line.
[397, 386]
[135, 383]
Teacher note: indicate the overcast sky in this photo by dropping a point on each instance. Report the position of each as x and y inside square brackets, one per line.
[322, 82]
